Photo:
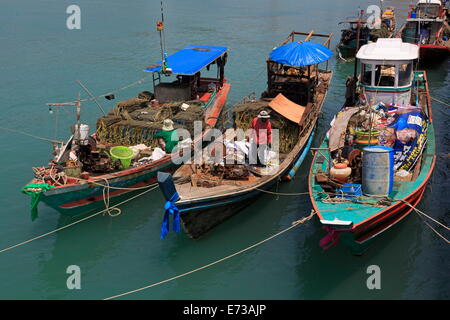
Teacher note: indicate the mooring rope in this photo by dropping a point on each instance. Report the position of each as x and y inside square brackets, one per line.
[142, 80]
[76, 222]
[422, 214]
[106, 198]
[294, 224]
[112, 187]
[281, 193]
[441, 102]
[31, 135]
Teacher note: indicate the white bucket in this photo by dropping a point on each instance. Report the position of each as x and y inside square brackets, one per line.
[81, 134]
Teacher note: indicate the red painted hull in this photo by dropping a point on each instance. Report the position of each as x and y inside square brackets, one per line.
[74, 197]
[377, 224]
[431, 52]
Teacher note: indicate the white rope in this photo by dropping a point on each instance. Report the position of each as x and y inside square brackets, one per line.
[140, 81]
[294, 224]
[30, 135]
[424, 214]
[281, 193]
[75, 222]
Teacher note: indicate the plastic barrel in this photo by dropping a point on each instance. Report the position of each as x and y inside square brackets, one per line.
[123, 154]
[377, 170]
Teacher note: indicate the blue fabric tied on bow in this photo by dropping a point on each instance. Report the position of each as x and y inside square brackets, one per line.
[171, 209]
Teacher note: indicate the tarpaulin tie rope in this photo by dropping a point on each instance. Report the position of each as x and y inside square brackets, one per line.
[171, 209]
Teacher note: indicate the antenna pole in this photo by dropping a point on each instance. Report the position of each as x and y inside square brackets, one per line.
[357, 42]
[91, 95]
[160, 28]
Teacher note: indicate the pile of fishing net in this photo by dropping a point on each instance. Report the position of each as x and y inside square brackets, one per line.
[135, 121]
[288, 131]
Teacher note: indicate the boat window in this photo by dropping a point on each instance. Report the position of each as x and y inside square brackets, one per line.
[384, 75]
[428, 11]
[404, 74]
[366, 74]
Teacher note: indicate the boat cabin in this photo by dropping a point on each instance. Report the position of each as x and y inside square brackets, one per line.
[296, 82]
[186, 65]
[424, 23]
[387, 70]
[426, 9]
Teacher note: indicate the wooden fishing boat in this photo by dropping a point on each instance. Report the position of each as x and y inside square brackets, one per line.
[348, 44]
[426, 26]
[206, 195]
[78, 185]
[390, 114]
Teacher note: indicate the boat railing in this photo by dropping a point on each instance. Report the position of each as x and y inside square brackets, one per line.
[316, 151]
[210, 100]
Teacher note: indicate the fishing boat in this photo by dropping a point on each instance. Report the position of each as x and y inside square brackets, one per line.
[123, 155]
[426, 26]
[373, 166]
[205, 193]
[352, 39]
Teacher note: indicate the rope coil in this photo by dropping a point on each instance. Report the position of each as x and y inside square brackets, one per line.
[154, 186]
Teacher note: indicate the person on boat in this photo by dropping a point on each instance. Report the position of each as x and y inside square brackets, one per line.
[167, 137]
[262, 137]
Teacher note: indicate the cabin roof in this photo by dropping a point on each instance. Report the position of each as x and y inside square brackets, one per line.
[388, 49]
[190, 60]
[429, 2]
[354, 20]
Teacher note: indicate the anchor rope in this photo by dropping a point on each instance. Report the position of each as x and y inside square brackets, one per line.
[293, 225]
[75, 222]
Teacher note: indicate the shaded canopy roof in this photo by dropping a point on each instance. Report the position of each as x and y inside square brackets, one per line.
[388, 49]
[354, 20]
[190, 60]
[438, 2]
[298, 54]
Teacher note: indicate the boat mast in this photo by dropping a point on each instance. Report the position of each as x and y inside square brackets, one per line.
[77, 104]
[160, 28]
[357, 43]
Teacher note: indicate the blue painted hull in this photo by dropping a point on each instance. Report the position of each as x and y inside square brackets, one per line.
[199, 217]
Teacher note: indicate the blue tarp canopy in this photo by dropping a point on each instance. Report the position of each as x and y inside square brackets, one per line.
[298, 54]
[190, 60]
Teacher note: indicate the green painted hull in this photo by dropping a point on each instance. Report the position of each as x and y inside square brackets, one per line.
[367, 221]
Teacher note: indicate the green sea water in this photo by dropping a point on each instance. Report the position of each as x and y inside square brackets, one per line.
[40, 59]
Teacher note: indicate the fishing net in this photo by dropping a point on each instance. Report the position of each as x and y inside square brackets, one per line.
[135, 121]
[288, 131]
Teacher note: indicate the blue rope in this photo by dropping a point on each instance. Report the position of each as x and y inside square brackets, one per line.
[171, 209]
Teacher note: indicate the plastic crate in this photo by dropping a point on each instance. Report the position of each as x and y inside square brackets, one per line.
[349, 191]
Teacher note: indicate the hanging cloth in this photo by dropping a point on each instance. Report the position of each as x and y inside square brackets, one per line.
[171, 209]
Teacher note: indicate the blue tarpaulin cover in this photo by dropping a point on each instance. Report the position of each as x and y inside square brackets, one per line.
[190, 60]
[299, 54]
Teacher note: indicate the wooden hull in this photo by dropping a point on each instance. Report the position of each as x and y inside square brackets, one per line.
[76, 198]
[374, 220]
[199, 217]
[346, 51]
[429, 53]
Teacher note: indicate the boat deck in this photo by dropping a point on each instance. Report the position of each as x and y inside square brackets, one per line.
[357, 212]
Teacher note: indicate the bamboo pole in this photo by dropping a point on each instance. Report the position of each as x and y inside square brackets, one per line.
[309, 35]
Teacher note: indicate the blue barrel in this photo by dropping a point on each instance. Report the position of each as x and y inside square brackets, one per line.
[377, 170]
